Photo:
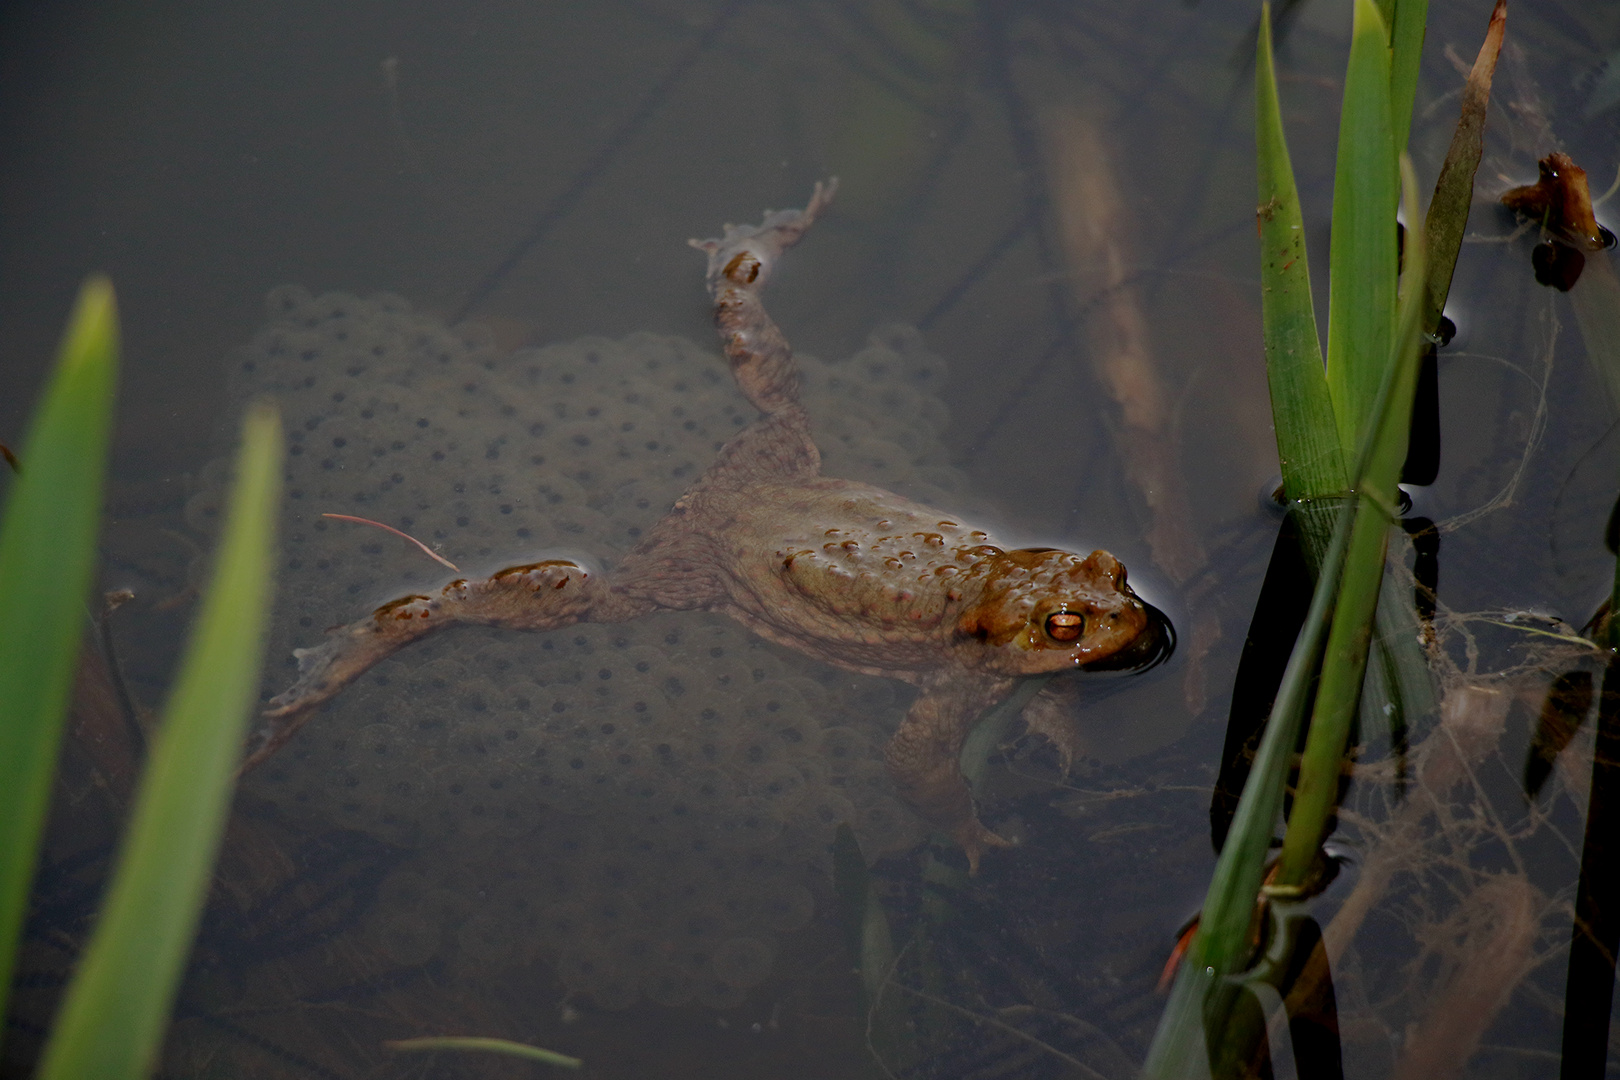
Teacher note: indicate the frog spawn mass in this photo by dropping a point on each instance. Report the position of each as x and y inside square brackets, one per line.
[643, 805]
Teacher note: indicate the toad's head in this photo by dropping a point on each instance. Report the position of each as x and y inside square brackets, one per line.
[1040, 610]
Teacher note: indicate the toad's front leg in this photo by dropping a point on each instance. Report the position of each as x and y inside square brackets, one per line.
[537, 596]
[924, 756]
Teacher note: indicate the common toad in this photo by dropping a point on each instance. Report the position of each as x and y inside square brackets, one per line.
[842, 571]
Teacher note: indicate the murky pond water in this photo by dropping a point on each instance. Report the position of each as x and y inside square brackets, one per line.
[451, 245]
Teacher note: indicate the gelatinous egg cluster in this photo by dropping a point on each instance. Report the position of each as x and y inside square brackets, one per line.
[641, 805]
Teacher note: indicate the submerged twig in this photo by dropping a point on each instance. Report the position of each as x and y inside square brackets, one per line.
[1089, 208]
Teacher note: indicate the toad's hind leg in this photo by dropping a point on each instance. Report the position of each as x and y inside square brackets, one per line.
[924, 756]
[538, 596]
[740, 263]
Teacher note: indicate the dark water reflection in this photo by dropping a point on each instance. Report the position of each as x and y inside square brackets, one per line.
[205, 157]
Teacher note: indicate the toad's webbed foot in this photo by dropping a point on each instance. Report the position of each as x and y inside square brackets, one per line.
[1054, 714]
[537, 596]
[740, 263]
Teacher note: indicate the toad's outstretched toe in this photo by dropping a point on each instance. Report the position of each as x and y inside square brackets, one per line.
[761, 244]
[974, 840]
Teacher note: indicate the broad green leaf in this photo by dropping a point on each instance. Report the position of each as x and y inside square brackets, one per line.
[1383, 450]
[47, 558]
[1362, 260]
[1406, 32]
[1302, 412]
[117, 1006]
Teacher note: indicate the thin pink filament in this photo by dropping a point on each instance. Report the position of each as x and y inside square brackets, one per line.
[429, 552]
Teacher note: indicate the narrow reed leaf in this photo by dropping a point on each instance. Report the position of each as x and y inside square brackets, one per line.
[117, 1006]
[1406, 30]
[1221, 944]
[1454, 190]
[488, 1046]
[1362, 259]
[47, 558]
[1302, 412]
[1383, 450]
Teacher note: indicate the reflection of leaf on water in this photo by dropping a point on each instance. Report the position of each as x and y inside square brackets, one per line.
[1583, 503]
[1569, 699]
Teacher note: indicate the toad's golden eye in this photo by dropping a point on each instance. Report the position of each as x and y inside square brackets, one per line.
[1065, 626]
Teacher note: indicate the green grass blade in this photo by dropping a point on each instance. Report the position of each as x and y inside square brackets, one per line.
[1362, 260]
[1301, 410]
[488, 1046]
[1344, 663]
[1454, 190]
[47, 558]
[1406, 32]
[117, 1006]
